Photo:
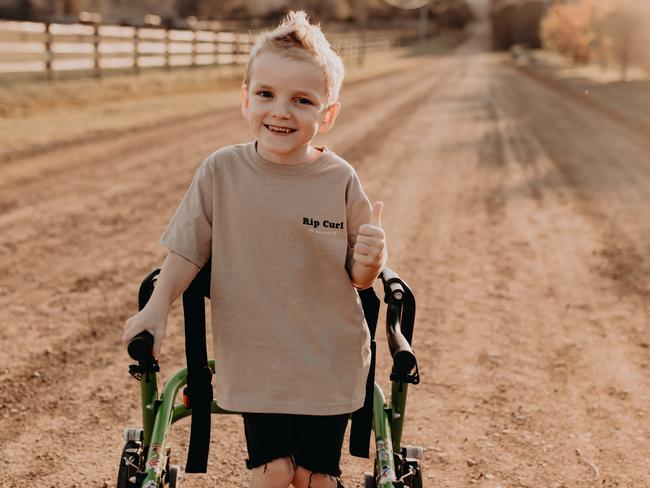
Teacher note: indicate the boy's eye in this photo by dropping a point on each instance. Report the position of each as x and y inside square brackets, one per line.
[305, 101]
[264, 93]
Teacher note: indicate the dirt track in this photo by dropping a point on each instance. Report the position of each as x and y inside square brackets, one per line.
[518, 215]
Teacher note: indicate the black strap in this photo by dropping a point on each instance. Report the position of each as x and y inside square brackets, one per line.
[362, 419]
[199, 376]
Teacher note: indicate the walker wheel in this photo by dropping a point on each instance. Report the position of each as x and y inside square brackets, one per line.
[171, 479]
[415, 480]
[129, 465]
[369, 481]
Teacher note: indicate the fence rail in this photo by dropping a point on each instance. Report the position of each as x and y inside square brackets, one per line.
[49, 48]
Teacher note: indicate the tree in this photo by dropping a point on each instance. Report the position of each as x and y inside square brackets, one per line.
[603, 30]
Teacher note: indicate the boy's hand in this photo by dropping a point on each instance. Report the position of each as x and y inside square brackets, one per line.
[370, 246]
[149, 319]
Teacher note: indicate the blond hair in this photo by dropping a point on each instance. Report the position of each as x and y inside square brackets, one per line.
[296, 38]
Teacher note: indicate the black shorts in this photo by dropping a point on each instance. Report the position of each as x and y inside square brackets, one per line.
[315, 441]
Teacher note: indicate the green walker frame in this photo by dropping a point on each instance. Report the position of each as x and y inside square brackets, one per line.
[145, 460]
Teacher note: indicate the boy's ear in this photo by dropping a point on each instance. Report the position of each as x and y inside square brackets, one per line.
[329, 117]
[244, 101]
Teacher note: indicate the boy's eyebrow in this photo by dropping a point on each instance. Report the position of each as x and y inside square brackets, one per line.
[263, 86]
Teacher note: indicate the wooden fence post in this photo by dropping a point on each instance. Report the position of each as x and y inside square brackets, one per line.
[215, 50]
[48, 52]
[361, 43]
[96, 67]
[194, 44]
[167, 56]
[136, 41]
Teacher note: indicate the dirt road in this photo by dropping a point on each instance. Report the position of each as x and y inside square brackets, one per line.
[518, 215]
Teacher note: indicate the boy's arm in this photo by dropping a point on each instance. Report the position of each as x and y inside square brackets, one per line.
[175, 276]
[369, 251]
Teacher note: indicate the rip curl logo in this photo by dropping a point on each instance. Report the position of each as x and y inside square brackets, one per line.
[325, 227]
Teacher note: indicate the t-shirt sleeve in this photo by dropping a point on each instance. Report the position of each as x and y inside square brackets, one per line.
[358, 210]
[189, 232]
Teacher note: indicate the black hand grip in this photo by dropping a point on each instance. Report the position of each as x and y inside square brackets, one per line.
[400, 349]
[404, 361]
[140, 347]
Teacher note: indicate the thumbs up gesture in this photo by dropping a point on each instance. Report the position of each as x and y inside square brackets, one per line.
[370, 246]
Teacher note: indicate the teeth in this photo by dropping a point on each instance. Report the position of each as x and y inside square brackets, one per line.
[279, 129]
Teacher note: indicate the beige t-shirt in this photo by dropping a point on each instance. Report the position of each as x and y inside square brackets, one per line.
[288, 326]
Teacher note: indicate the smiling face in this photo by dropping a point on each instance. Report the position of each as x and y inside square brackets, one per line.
[285, 105]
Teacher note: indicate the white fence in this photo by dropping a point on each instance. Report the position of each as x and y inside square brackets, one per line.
[41, 48]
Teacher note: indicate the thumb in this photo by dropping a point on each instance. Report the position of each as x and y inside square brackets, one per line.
[375, 216]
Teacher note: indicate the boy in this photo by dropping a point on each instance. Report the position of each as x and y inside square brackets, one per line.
[291, 235]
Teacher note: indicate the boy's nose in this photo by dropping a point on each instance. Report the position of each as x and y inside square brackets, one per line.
[279, 114]
[280, 111]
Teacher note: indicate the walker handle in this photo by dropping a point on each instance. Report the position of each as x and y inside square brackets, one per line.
[140, 347]
[400, 317]
[400, 349]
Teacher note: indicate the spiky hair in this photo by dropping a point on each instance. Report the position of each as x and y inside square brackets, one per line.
[296, 38]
